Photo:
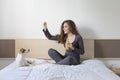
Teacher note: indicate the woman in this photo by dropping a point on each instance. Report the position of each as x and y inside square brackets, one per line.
[72, 41]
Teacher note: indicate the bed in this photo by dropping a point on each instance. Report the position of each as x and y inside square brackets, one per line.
[41, 69]
[48, 70]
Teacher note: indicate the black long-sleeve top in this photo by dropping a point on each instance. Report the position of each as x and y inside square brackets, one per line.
[77, 44]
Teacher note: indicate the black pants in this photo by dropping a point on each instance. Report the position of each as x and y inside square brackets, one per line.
[60, 59]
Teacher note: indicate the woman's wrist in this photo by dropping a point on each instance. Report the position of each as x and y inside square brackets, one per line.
[44, 29]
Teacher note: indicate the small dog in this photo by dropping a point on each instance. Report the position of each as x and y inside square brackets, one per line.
[20, 59]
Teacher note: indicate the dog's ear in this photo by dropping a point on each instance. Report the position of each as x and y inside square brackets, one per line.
[22, 50]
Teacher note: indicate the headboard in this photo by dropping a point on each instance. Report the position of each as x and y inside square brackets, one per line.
[7, 48]
[39, 47]
[97, 48]
[107, 48]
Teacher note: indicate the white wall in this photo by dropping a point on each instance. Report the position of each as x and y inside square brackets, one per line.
[96, 19]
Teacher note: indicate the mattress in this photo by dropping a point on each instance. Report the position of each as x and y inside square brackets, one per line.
[48, 70]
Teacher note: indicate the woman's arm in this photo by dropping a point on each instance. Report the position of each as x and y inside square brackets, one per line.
[47, 33]
[80, 49]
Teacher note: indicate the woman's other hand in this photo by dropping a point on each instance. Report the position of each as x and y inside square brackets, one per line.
[70, 46]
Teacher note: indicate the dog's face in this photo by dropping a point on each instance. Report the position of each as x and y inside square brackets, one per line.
[22, 50]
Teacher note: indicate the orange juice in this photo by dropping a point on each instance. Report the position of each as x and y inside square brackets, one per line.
[66, 45]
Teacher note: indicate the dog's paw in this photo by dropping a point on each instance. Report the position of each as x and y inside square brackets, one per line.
[30, 62]
[27, 51]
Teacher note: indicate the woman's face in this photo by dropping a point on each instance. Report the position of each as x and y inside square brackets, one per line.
[66, 28]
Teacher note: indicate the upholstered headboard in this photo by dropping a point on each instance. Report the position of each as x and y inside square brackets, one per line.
[98, 48]
[7, 48]
[39, 47]
[107, 48]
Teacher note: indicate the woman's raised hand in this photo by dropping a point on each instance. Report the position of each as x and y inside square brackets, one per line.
[45, 25]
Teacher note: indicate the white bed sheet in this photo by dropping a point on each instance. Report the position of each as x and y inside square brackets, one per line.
[43, 70]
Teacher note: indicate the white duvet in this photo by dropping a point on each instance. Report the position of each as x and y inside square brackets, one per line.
[43, 70]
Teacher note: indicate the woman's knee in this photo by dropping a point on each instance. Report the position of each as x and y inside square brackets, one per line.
[51, 51]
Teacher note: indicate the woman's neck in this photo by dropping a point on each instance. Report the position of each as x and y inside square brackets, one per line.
[70, 34]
